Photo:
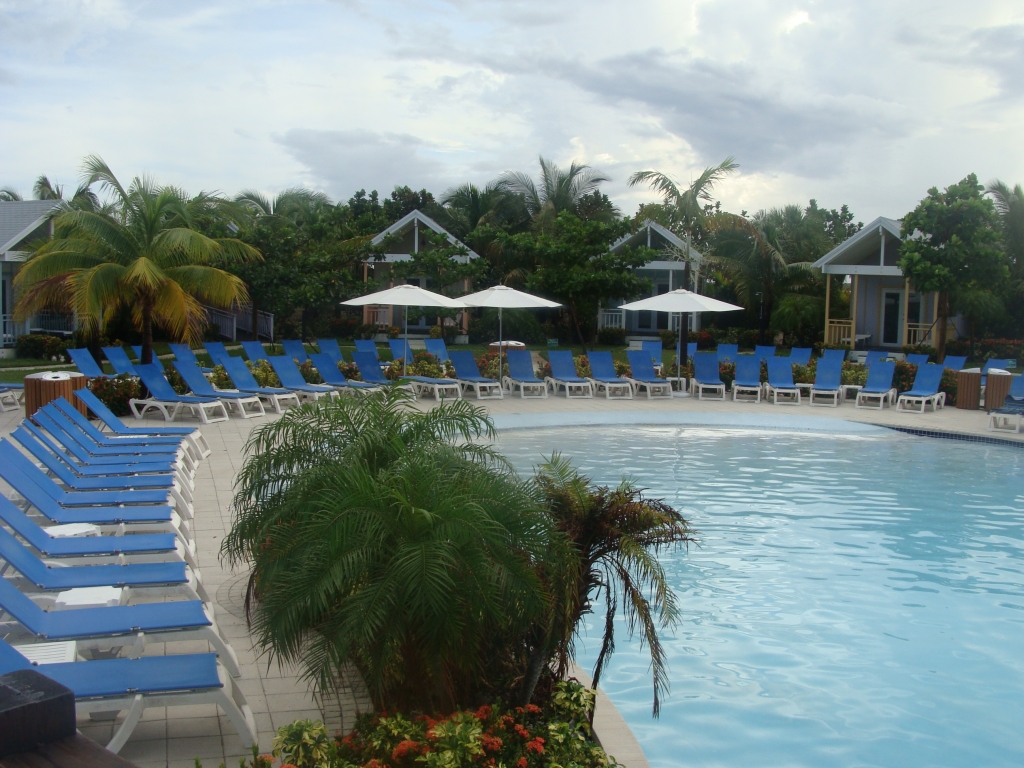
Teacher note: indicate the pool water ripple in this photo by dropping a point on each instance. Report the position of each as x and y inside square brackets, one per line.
[856, 600]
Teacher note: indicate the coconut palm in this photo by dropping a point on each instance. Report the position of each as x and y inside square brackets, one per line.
[559, 190]
[84, 198]
[295, 203]
[1010, 207]
[616, 534]
[9, 195]
[144, 254]
[384, 539]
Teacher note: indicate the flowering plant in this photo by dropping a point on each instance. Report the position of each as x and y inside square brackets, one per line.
[116, 392]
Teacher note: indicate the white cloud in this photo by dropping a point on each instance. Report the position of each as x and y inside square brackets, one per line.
[859, 102]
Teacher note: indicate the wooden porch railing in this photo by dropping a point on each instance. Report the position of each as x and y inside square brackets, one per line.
[380, 316]
[838, 332]
[919, 333]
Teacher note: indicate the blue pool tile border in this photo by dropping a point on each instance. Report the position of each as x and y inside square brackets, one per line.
[959, 436]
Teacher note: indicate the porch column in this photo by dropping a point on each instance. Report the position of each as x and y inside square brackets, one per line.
[828, 301]
[906, 311]
[853, 314]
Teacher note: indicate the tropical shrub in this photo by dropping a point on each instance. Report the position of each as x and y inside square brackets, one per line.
[903, 377]
[41, 347]
[522, 737]
[612, 337]
[924, 349]
[668, 339]
[350, 371]
[176, 381]
[263, 372]
[853, 373]
[704, 339]
[387, 539]
[622, 368]
[220, 379]
[309, 372]
[582, 366]
[804, 374]
[304, 744]
[948, 385]
[366, 331]
[987, 348]
[422, 364]
[116, 392]
[488, 364]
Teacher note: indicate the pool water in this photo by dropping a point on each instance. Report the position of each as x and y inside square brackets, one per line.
[857, 600]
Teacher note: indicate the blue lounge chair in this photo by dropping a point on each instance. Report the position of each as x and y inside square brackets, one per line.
[137, 351]
[217, 351]
[691, 348]
[917, 360]
[725, 352]
[254, 350]
[827, 383]
[400, 349]
[875, 356]
[294, 349]
[468, 375]
[370, 370]
[164, 399]
[201, 387]
[955, 362]
[833, 354]
[330, 347]
[70, 435]
[184, 353]
[763, 352]
[119, 360]
[437, 348]
[748, 378]
[706, 376]
[291, 378]
[603, 376]
[86, 364]
[563, 374]
[780, 382]
[656, 350]
[118, 428]
[522, 376]
[440, 388]
[643, 374]
[367, 345]
[925, 391]
[244, 381]
[800, 355]
[1000, 419]
[168, 442]
[332, 376]
[119, 625]
[81, 541]
[105, 685]
[879, 386]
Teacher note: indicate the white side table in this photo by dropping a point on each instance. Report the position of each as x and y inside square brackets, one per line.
[89, 597]
[49, 653]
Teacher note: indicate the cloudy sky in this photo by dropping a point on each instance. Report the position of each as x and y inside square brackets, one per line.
[859, 102]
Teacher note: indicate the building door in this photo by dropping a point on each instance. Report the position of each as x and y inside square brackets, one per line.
[891, 318]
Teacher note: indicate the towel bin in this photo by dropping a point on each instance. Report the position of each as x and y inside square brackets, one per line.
[997, 387]
[968, 390]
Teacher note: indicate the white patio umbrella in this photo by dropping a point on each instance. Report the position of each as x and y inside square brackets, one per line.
[406, 296]
[502, 297]
[681, 301]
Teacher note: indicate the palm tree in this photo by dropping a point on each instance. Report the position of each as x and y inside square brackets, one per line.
[616, 535]
[384, 538]
[145, 254]
[295, 203]
[467, 207]
[1010, 207]
[559, 190]
[84, 198]
[9, 195]
[684, 210]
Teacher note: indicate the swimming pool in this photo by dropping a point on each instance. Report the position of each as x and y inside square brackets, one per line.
[857, 599]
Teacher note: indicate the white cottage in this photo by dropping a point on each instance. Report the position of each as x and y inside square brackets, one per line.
[885, 311]
[665, 275]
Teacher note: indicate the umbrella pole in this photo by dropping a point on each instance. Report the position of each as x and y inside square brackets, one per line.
[499, 348]
[405, 353]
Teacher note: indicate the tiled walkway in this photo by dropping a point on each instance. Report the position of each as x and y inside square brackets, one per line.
[174, 737]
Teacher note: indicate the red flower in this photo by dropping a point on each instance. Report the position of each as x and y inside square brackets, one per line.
[483, 713]
[404, 748]
[533, 709]
[374, 763]
[491, 743]
[521, 762]
[536, 745]
[522, 731]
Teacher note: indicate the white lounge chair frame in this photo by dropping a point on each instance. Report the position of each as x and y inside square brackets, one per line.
[12, 395]
[917, 404]
[699, 388]
[1001, 422]
[654, 389]
[171, 409]
[239, 404]
[836, 396]
[438, 390]
[541, 387]
[582, 389]
[613, 390]
[883, 398]
[484, 390]
[790, 396]
[740, 389]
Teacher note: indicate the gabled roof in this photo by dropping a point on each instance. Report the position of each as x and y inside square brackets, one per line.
[407, 222]
[19, 218]
[641, 238]
[854, 250]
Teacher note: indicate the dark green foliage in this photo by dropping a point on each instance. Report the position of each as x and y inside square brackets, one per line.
[612, 337]
[41, 347]
[116, 392]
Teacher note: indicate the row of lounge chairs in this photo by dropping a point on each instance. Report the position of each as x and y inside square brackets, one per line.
[97, 561]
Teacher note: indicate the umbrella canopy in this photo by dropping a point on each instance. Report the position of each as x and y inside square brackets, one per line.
[503, 297]
[407, 296]
[680, 300]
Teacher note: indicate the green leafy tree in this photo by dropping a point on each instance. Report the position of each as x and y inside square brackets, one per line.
[949, 245]
[616, 535]
[570, 262]
[1009, 203]
[144, 254]
[559, 191]
[388, 539]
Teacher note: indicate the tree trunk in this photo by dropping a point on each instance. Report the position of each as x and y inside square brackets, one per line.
[147, 332]
[576, 323]
[943, 323]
